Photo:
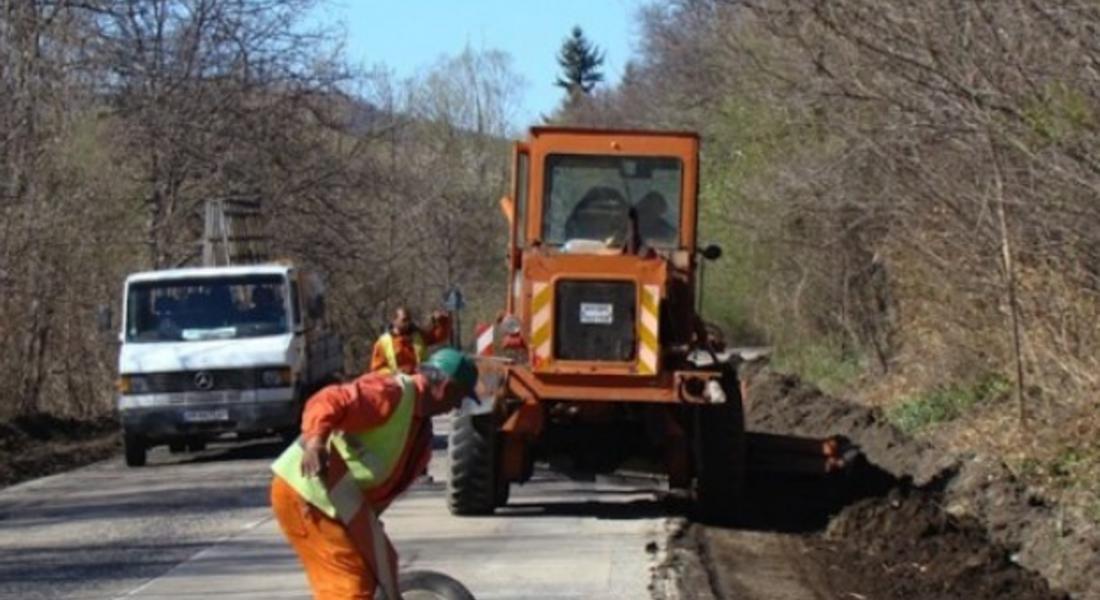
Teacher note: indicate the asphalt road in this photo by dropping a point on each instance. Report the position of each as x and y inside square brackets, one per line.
[199, 526]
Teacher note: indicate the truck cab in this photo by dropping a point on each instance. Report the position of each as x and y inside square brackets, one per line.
[214, 350]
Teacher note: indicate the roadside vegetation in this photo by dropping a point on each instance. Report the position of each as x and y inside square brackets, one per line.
[906, 194]
[925, 409]
[119, 119]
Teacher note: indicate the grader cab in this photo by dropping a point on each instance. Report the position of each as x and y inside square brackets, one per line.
[600, 360]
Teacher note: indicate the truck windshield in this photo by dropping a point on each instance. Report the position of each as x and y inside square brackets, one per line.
[590, 198]
[206, 308]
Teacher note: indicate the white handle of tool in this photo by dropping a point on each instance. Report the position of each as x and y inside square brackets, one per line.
[382, 555]
[381, 566]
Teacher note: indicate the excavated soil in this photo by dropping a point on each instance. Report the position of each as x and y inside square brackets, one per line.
[905, 546]
[39, 445]
[906, 522]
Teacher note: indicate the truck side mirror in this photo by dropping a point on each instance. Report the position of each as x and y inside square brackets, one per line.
[508, 207]
[103, 318]
[712, 252]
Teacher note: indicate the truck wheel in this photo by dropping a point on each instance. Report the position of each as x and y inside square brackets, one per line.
[135, 450]
[720, 455]
[472, 487]
[428, 585]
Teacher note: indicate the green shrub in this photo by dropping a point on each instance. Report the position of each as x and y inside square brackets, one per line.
[946, 403]
[826, 365]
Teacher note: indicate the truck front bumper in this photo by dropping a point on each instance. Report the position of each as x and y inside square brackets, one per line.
[174, 415]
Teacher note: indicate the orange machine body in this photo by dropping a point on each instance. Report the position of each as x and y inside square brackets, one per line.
[643, 289]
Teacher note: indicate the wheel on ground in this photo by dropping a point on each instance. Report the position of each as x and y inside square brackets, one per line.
[720, 455]
[177, 447]
[472, 487]
[135, 449]
[196, 445]
[429, 585]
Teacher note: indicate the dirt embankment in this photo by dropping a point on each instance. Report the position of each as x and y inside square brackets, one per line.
[40, 445]
[912, 522]
[979, 490]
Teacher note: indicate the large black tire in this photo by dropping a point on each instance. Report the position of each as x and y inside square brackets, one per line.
[135, 449]
[429, 585]
[720, 455]
[472, 487]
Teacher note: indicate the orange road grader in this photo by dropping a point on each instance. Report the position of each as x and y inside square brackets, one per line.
[600, 359]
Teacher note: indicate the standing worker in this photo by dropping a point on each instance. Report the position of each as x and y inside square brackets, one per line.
[362, 444]
[404, 346]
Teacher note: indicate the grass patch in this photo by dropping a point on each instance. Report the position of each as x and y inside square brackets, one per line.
[829, 368]
[1070, 472]
[946, 403]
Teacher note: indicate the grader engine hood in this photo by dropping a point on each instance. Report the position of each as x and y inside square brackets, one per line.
[594, 314]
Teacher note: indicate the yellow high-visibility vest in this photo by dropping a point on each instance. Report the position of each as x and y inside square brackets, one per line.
[419, 349]
[371, 456]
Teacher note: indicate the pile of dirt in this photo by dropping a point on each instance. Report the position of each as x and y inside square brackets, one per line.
[934, 525]
[780, 403]
[905, 546]
[41, 444]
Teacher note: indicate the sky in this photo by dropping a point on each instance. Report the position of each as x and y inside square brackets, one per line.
[407, 36]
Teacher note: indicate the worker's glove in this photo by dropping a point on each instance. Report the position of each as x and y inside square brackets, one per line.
[314, 457]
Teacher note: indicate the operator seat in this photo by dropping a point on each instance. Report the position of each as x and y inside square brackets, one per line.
[601, 214]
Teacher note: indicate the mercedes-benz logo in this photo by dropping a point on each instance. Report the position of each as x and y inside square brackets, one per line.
[204, 380]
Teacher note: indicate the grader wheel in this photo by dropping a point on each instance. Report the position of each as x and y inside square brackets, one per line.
[472, 488]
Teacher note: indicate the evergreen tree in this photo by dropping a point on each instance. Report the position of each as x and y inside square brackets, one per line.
[580, 61]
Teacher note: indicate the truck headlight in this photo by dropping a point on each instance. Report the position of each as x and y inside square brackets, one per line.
[275, 377]
[133, 384]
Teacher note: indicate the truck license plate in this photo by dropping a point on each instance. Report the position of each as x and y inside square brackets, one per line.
[597, 313]
[205, 416]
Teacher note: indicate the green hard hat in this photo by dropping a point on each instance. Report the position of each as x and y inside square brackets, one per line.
[455, 365]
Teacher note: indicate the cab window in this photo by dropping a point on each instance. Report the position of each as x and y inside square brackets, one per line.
[591, 198]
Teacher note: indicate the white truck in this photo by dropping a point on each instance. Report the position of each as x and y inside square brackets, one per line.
[214, 350]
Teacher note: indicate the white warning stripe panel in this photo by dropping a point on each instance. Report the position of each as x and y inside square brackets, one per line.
[485, 341]
[647, 329]
[543, 350]
[542, 309]
[540, 319]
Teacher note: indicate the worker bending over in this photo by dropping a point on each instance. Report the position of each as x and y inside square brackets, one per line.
[405, 345]
[362, 444]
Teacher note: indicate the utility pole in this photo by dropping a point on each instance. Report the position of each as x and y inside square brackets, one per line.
[233, 233]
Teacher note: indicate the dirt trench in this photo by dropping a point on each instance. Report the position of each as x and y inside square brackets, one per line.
[906, 522]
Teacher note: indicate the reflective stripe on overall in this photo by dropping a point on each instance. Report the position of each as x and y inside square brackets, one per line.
[360, 462]
[419, 349]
